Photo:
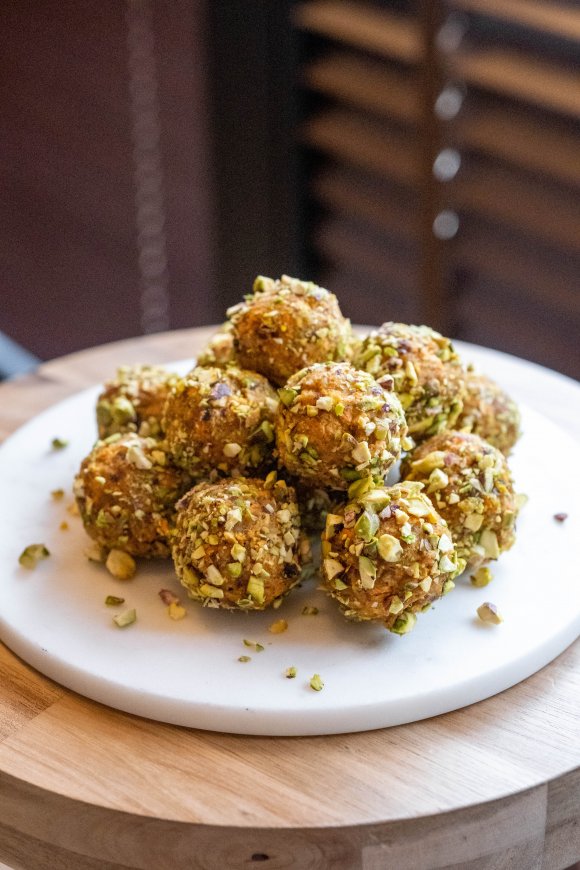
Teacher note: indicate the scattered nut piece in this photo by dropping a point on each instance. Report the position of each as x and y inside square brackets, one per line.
[278, 627]
[560, 517]
[176, 610]
[94, 552]
[168, 597]
[113, 600]
[121, 565]
[309, 610]
[316, 683]
[290, 673]
[128, 617]
[244, 659]
[488, 612]
[57, 494]
[64, 526]
[481, 578]
[59, 443]
[32, 555]
[252, 644]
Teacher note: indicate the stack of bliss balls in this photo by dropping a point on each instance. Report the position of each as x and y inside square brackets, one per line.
[288, 426]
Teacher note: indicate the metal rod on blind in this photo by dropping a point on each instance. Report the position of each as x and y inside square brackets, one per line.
[148, 167]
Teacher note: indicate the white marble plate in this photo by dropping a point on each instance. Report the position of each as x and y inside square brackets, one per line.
[188, 672]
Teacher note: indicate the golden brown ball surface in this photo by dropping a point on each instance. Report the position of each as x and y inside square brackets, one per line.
[426, 372]
[336, 424]
[287, 325]
[220, 421]
[133, 401]
[489, 412]
[387, 556]
[238, 543]
[126, 490]
[471, 486]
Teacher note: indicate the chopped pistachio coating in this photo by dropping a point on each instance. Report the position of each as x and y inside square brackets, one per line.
[126, 491]
[219, 351]
[287, 324]
[133, 401]
[425, 371]
[407, 561]
[244, 523]
[220, 422]
[489, 412]
[355, 436]
[478, 500]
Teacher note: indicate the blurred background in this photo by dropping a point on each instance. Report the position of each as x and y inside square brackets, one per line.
[421, 159]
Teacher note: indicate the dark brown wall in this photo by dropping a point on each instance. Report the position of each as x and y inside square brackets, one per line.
[69, 271]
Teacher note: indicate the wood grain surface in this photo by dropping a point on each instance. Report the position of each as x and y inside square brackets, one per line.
[494, 785]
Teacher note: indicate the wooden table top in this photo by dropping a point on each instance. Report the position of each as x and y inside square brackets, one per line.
[85, 786]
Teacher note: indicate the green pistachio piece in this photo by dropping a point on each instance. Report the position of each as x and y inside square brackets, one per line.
[332, 567]
[481, 578]
[488, 612]
[389, 548]
[113, 600]
[435, 459]
[376, 499]
[128, 617]
[446, 565]
[367, 525]
[445, 544]
[287, 396]
[32, 555]
[367, 571]
[396, 605]
[404, 623]
[490, 544]
[473, 522]
[361, 453]
[209, 591]
[255, 589]
[238, 553]
[316, 683]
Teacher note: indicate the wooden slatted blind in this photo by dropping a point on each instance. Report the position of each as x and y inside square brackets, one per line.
[489, 91]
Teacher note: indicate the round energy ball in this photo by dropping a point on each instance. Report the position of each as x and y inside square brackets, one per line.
[287, 325]
[220, 421]
[427, 375]
[133, 401]
[471, 486]
[336, 425]
[238, 543]
[126, 490]
[388, 555]
[489, 412]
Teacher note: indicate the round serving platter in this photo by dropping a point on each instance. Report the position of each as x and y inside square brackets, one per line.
[188, 672]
